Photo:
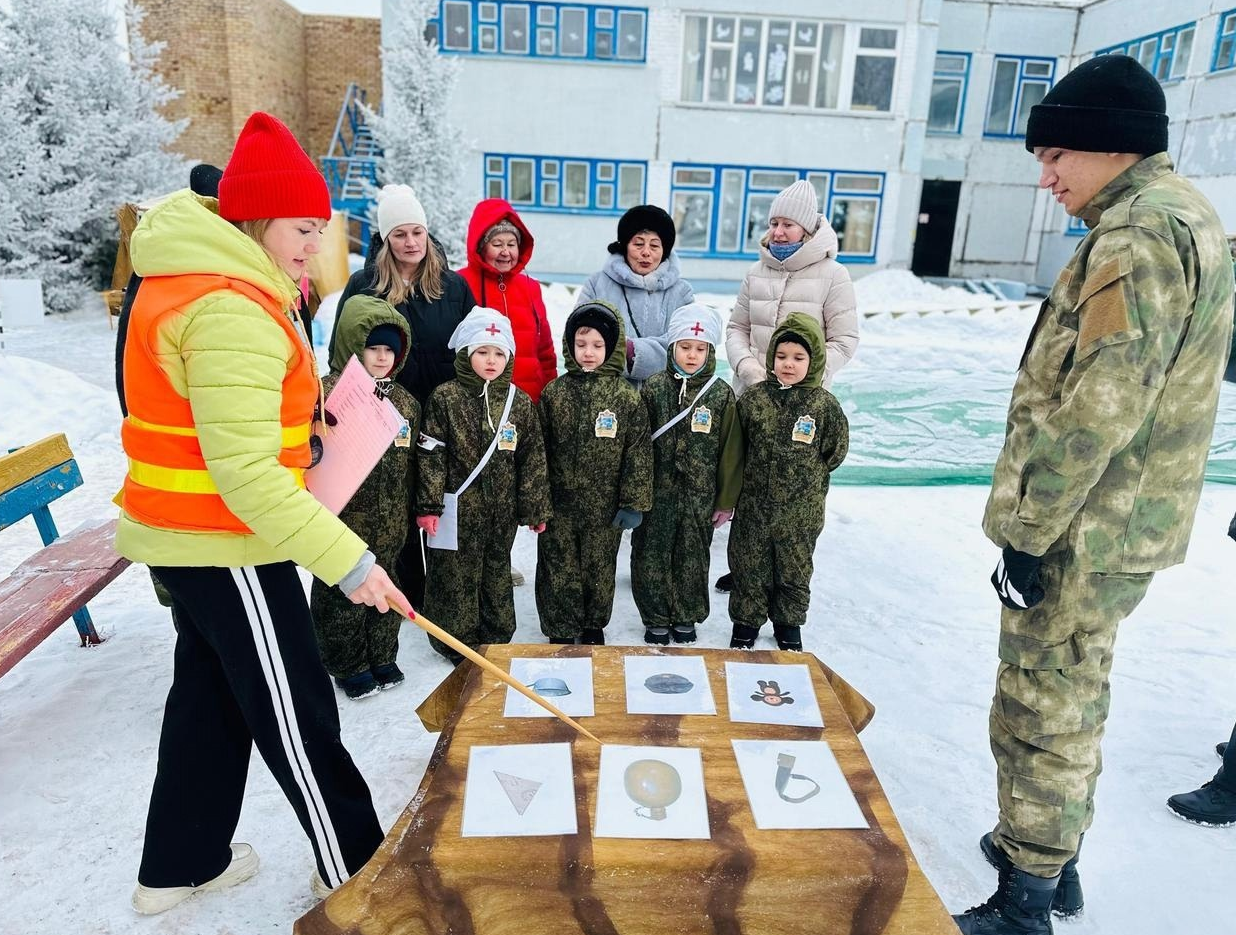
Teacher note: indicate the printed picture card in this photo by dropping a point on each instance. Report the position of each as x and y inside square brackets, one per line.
[651, 792]
[796, 784]
[762, 693]
[519, 790]
[668, 685]
[564, 683]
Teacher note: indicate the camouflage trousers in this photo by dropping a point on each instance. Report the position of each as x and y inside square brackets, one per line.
[1050, 707]
[669, 567]
[352, 638]
[772, 567]
[468, 592]
[575, 568]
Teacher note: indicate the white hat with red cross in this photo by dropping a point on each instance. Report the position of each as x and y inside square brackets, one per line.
[695, 322]
[480, 327]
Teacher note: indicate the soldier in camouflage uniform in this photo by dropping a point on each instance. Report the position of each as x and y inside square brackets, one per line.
[600, 476]
[1102, 466]
[358, 644]
[697, 473]
[795, 435]
[468, 590]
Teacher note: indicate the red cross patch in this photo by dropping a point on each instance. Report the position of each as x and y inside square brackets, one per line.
[697, 329]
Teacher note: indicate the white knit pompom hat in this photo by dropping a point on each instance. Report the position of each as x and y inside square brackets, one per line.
[799, 204]
[398, 204]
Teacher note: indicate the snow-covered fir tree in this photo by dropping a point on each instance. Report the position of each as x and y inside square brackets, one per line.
[421, 145]
[83, 135]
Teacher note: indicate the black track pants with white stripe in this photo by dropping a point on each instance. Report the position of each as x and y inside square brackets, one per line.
[247, 671]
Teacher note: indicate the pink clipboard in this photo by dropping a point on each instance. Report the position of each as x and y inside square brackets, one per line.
[366, 425]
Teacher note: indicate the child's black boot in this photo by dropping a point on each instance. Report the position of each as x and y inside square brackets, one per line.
[743, 636]
[657, 636]
[789, 638]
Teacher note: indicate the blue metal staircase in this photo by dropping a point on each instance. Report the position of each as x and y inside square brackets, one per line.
[350, 165]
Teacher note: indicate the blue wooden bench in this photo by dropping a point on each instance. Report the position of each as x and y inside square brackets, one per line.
[56, 582]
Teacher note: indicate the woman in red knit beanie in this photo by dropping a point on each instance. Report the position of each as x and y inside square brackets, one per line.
[224, 408]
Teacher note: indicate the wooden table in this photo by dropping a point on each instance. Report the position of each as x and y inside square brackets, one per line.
[428, 880]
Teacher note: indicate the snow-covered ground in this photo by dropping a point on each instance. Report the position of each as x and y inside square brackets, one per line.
[901, 607]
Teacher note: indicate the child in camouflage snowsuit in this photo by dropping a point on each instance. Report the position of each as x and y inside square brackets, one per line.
[600, 476]
[697, 472]
[358, 644]
[795, 435]
[468, 590]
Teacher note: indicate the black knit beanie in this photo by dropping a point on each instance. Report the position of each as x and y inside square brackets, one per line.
[792, 337]
[594, 316]
[1109, 104]
[388, 335]
[204, 179]
[644, 218]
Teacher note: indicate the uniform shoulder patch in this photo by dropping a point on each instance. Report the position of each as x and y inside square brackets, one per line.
[1103, 305]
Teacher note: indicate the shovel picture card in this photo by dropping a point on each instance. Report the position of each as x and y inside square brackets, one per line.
[519, 790]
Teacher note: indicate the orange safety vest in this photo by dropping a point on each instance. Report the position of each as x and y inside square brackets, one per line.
[168, 485]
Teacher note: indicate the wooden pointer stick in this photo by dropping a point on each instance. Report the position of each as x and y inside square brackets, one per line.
[434, 630]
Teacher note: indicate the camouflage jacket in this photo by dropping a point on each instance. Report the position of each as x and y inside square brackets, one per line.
[513, 488]
[1114, 403]
[697, 463]
[794, 438]
[379, 512]
[596, 438]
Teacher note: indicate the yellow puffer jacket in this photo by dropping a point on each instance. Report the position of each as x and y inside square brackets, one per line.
[229, 357]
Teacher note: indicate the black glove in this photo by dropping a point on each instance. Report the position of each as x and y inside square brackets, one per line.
[1016, 579]
[1231, 528]
[627, 519]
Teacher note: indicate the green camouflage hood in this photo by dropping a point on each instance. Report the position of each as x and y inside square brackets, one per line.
[697, 378]
[616, 364]
[359, 316]
[809, 330]
[470, 380]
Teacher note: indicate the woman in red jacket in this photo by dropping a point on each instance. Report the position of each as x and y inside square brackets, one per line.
[499, 247]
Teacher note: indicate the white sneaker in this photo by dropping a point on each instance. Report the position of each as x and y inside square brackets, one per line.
[318, 886]
[149, 900]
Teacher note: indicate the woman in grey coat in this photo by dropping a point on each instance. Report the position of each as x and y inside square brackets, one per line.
[642, 280]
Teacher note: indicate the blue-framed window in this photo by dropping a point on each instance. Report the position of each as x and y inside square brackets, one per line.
[1225, 43]
[721, 211]
[571, 31]
[780, 62]
[949, 83]
[1018, 82]
[1076, 227]
[1164, 54]
[565, 184]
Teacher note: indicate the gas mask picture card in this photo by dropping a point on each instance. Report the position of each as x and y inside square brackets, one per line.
[566, 683]
[651, 792]
[668, 684]
[796, 784]
[761, 693]
[519, 790]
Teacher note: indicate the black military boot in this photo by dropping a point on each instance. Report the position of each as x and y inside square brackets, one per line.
[1067, 903]
[1210, 805]
[1021, 905]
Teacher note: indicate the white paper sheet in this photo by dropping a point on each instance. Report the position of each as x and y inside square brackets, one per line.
[365, 427]
[651, 792]
[796, 784]
[771, 694]
[519, 790]
[669, 684]
[549, 677]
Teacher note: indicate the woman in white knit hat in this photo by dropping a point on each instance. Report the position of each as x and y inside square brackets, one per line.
[797, 272]
[408, 269]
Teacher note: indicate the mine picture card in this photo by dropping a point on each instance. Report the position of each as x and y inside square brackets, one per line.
[766, 693]
[668, 685]
[651, 792]
[565, 683]
[519, 790]
[796, 784]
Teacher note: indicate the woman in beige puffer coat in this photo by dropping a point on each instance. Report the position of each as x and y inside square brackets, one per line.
[809, 279]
